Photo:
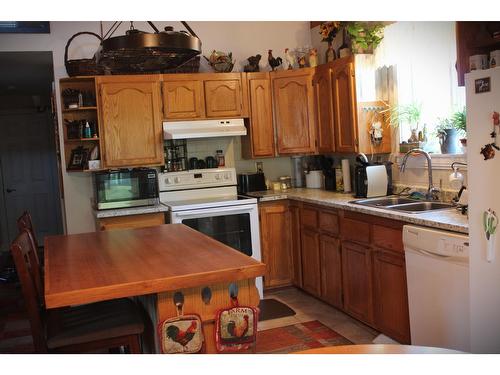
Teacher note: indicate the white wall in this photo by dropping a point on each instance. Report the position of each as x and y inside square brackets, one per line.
[243, 39]
[484, 182]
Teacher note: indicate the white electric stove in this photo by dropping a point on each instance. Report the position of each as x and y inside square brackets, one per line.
[207, 200]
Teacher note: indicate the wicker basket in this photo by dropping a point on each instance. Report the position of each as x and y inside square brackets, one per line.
[81, 67]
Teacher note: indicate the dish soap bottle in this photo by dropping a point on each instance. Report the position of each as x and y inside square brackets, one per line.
[87, 132]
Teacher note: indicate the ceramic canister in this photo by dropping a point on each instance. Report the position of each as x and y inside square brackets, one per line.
[495, 58]
[478, 62]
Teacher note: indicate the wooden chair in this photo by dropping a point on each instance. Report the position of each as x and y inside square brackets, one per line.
[25, 222]
[83, 328]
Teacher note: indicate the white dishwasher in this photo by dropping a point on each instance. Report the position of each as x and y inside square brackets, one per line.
[437, 275]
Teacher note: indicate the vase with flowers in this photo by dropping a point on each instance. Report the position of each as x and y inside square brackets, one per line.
[328, 30]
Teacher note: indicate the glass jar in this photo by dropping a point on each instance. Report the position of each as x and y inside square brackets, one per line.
[221, 160]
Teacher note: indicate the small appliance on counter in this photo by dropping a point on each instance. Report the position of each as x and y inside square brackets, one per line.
[314, 179]
[251, 181]
[372, 180]
[328, 172]
[126, 188]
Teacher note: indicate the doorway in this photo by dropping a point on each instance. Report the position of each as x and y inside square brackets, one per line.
[29, 168]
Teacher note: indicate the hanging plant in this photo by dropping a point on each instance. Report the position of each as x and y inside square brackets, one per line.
[365, 37]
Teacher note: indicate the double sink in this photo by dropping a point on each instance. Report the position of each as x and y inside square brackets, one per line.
[402, 204]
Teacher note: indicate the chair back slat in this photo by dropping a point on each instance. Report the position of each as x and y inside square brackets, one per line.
[28, 270]
[25, 222]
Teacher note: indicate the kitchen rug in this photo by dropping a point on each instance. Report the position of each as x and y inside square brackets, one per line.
[298, 337]
[271, 308]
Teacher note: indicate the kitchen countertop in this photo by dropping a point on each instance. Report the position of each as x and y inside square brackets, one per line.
[99, 214]
[451, 220]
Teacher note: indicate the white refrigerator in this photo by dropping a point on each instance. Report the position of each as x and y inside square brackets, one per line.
[484, 193]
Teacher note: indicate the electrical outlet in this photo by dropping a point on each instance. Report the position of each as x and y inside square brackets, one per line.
[259, 166]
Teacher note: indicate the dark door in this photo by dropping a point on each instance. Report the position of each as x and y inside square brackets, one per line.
[28, 166]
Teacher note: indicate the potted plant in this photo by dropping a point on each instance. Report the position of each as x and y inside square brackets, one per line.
[448, 136]
[459, 122]
[365, 37]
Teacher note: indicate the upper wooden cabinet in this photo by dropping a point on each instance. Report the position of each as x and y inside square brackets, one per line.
[183, 99]
[204, 95]
[260, 139]
[293, 105]
[130, 113]
[344, 105]
[323, 101]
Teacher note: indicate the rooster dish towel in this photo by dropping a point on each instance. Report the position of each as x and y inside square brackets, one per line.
[182, 334]
[236, 328]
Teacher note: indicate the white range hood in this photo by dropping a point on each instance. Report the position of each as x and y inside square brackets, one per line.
[203, 128]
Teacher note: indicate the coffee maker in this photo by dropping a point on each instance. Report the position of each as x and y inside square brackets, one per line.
[372, 179]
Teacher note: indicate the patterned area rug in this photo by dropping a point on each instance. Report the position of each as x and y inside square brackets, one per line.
[297, 337]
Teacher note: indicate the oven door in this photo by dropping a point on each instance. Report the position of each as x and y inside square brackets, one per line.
[235, 226]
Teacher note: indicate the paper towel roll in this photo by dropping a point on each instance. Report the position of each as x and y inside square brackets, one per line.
[346, 175]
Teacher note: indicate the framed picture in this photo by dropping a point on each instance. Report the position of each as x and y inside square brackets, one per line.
[78, 159]
[482, 85]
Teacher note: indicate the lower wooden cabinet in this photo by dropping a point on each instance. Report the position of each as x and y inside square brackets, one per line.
[275, 243]
[296, 248]
[357, 278]
[130, 221]
[391, 295]
[331, 270]
[310, 261]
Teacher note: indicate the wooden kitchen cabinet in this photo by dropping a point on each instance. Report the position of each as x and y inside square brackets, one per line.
[259, 141]
[183, 98]
[296, 247]
[323, 101]
[357, 281]
[130, 120]
[344, 105]
[391, 295]
[293, 107]
[276, 243]
[311, 279]
[204, 95]
[331, 270]
[224, 96]
[130, 221]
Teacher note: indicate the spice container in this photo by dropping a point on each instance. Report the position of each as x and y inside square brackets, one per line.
[285, 183]
[221, 160]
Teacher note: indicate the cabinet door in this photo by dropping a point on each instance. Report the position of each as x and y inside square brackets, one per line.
[357, 284]
[344, 110]
[183, 99]
[261, 116]
[275, 240]
[296, 244]
[223, 97]
[324, 109]
[310, 261]
[131, 123]
[391, 295]
[294, 112]
[331, 270]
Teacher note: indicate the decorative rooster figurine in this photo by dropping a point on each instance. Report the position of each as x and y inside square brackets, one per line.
[289, 58]
[273, 62]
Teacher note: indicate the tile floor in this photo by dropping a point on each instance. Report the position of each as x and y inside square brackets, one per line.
[309, 308]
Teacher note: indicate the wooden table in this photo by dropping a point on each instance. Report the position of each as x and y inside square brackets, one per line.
[158, 261]
[379, 349]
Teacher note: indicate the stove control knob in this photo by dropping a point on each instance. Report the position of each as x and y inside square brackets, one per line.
[217, 176]
[177, 180]
[226, 177]
[168, 181]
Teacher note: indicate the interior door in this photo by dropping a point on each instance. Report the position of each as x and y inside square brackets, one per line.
[29, 173]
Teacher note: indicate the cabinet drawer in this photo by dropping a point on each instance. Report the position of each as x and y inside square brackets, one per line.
[388, 238]
[355, 230]
[131, 221]
[329, 222]
[309, 217]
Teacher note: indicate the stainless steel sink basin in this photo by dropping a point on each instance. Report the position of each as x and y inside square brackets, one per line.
[384, 201]
[421, 207]
[403, 204]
